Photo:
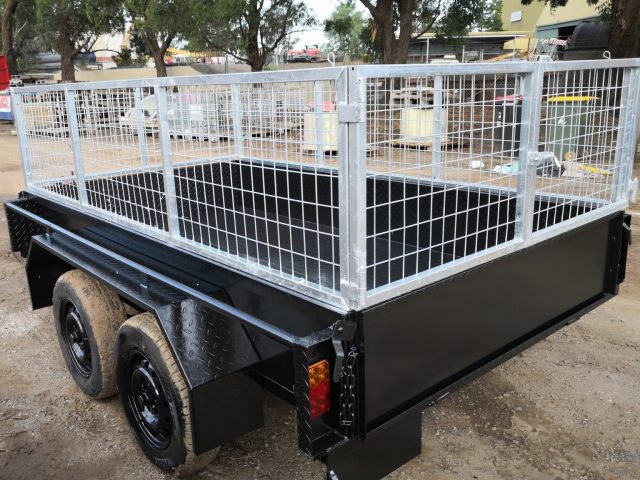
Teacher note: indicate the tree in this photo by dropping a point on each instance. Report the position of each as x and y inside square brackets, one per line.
[157, 23]
[344, 30]
[73, 26]
[412, 18]
[8, 49]
[17, 28]
[249, 30]
[622, 16]
[125, 58]
[491, 18]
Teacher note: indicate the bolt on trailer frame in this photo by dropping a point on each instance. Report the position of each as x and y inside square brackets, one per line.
[312, 188]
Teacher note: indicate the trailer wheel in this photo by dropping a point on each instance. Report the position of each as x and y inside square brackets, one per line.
[155, 397]
[87, 316]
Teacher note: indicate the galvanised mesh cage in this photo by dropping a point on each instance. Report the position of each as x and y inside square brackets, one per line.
[350, 185]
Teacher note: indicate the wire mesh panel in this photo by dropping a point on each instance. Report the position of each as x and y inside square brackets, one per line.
[581, 128]
[120, 154]
[244, 170]
[442, 167]
[45, 130]
[259, 190]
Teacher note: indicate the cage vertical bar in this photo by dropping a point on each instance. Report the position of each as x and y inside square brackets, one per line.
[437, 127]
[167, 164]
[236, 119]
[141, 129]
[531, 92]
[76, 146]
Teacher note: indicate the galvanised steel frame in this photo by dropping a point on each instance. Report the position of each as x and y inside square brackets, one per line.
[353, 167]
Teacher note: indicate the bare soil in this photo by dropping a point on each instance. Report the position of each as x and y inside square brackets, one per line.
[565, 409]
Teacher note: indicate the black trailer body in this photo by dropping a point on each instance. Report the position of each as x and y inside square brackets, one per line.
[259, 336]
[358, 265]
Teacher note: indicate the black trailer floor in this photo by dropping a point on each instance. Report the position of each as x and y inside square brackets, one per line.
[286, 216]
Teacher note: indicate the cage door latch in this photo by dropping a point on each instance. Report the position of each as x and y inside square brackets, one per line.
[538, 159]
[350, 113]
[343, 331]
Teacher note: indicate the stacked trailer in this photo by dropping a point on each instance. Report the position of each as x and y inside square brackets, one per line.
[361, 287]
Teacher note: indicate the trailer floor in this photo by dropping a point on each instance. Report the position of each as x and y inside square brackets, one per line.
[565, 409]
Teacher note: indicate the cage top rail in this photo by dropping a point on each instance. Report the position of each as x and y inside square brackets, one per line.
[491, 68]
[245, 78]
[333, 73]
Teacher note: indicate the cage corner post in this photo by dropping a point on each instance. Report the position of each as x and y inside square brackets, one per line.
[352, 172]
[628, 134]
[21, 128]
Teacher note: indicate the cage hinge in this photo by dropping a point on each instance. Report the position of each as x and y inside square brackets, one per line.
[633, 190]
[350, 113]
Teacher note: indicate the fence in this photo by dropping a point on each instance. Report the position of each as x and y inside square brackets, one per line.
[350, 185]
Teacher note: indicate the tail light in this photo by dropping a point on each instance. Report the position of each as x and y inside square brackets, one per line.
[319, 388]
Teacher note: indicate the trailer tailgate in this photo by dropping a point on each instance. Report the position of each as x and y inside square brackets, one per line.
[421, 343]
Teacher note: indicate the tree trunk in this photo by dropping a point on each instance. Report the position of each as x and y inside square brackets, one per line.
[624, 34]
[394, 50]
[158, 51]
[67, 51]
[254, 56]
[256, 59]
[7, 35]
[407, 9]
[158, 59]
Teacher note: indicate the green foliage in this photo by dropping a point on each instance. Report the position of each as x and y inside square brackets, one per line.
[160, 18]
[458, 18]
[80, 22]
[125, 58]
[344, 30]
[137, 43]
[249, 30]
[18, 41]
[371, 52]
[491, 18]
[156, 24]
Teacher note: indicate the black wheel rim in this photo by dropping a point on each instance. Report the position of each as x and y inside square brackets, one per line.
[148, 402]
[76, 339]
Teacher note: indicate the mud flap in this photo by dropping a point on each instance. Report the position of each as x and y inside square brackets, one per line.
[384, 450]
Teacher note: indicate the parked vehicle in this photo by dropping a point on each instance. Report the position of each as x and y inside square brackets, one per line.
[361, 287]
[310, 53]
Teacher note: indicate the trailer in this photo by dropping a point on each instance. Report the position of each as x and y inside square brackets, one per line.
[361, 286]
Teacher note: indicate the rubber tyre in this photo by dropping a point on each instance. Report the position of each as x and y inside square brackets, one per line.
[102, 312]
[141, 335]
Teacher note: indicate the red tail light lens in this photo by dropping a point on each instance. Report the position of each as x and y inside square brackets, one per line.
[319, 388]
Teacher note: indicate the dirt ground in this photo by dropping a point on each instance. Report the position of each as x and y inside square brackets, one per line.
[565, 409]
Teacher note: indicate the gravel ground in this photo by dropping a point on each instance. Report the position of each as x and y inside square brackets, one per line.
[565, 409]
